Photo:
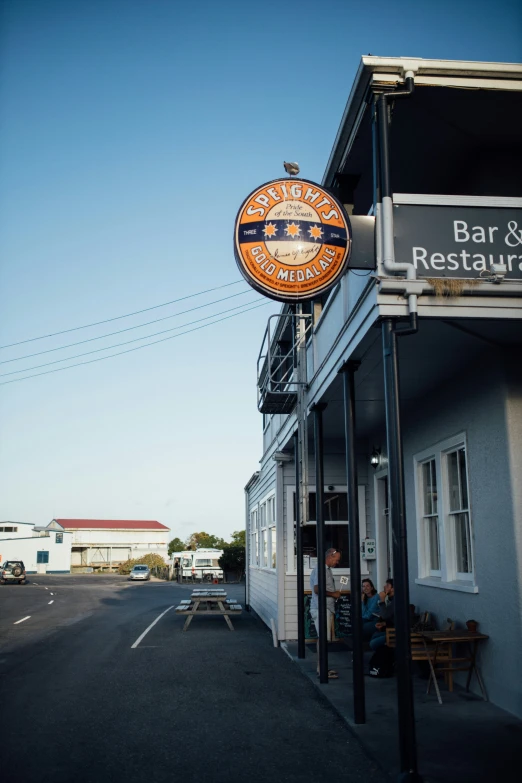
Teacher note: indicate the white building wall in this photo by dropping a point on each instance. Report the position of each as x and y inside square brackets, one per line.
[263, 581]
[26, 549]
[138, 538]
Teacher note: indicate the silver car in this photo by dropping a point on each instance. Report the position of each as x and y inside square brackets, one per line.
[140, 572]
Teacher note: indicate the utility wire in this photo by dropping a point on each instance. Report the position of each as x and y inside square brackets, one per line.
[126, 342]
[118, 317]
[128, 329]
[137, 348]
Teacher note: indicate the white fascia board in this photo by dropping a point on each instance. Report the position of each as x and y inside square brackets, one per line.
[461, 68]
[464, 83]
[457, 201]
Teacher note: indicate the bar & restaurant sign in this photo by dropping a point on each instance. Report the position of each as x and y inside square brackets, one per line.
[455, 241]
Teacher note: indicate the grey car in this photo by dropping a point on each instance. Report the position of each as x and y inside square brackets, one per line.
[13, 571]
[140, 572]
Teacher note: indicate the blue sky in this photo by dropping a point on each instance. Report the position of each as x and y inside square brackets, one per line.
[131, 133]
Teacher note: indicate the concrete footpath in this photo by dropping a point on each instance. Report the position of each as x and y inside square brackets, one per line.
[464, 739]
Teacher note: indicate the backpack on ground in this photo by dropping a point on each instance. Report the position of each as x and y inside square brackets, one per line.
[382, 662]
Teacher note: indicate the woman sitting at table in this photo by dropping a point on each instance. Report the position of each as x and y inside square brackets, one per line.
[370, 608]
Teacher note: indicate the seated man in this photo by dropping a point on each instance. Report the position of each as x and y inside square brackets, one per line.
[386, 611]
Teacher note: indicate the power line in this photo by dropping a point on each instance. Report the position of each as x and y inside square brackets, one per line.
[126, 342]
[136, 348]
[118, 317]
[128, 329]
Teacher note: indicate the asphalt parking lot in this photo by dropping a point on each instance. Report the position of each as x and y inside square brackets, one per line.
[86, 704]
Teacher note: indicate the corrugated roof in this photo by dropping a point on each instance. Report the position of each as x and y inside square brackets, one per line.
[110, 524]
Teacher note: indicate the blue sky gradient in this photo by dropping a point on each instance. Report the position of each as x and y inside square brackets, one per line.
[131, 133]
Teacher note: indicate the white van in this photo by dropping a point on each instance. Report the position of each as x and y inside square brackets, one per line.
[201, 565]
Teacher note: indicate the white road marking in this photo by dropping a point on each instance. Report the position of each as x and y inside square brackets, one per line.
[52, 593]
[50, 602]
[144, 634]
[22, 620]
[46, 588]
[35, 583]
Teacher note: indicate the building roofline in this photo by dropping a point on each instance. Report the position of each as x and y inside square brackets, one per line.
[252, 480]
[371, 65]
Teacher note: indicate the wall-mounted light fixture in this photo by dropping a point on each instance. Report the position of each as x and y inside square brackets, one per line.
[375, 459]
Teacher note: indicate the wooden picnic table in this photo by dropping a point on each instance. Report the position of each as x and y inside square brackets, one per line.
[435, 640]
[208, 602]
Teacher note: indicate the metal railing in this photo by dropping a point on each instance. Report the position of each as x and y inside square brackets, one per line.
[277, 378]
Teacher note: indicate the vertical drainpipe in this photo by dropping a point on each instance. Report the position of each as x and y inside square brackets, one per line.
[247, 548]
[317, 410]
[280, 551]
[299, 556]
[406, 715]
[348, 370]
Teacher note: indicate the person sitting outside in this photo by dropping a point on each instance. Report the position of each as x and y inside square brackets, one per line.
[386, 611]
[370, 608]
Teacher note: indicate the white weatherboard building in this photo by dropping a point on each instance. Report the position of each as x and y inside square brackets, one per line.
[448, 237]
[106, 543]
[42, 549]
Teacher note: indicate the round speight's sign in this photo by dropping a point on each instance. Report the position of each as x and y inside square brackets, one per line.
[292, 240]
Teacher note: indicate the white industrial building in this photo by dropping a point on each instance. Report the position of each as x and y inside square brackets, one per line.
[42, 549]
[106, 543]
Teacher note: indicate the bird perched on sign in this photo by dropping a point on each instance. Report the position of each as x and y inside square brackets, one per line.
[291, 168]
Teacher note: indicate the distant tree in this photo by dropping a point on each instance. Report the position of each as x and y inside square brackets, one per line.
[176, 545]
[238, 538]
[233, 560]
[206, 540]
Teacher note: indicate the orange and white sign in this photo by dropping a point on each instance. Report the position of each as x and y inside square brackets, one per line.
[292, 240]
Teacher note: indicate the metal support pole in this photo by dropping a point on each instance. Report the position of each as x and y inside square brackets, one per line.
[299, 553]
[348, 370]
[321, 565]
[406, 716]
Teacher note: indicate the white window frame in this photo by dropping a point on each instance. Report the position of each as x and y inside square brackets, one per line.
[427, 518]
[254, 539]
[271, 532]
[263, 535]
[267, 523]
[291, 565]
[448, 578]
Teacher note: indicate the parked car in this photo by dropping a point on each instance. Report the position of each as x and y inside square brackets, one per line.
[13, 571]
[140, 572]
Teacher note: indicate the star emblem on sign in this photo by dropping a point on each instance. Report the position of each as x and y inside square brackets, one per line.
[270, 230]
[315, 232]
[292, 230]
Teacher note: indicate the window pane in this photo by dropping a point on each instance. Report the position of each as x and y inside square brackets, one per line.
[453, 482]
[273, 547]
[263, 548]
[429, 485]
[463, 479]
[335, 537]
[335, 506]
[463, 543]
[433, 538]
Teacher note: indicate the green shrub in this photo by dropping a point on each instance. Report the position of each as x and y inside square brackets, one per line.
[152, 560]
